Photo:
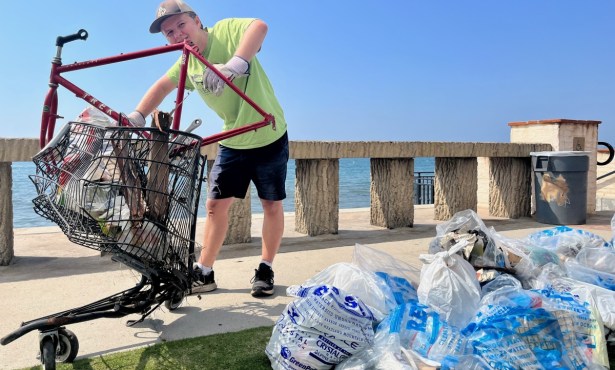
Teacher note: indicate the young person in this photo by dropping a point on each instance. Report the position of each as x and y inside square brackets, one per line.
[260, 156]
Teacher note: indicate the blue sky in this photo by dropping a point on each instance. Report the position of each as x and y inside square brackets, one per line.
[430, 70]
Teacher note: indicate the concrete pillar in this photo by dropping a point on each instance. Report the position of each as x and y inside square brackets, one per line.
[316, 196]
[455, 186]
[6, 214]
[392, 192]
[240, 217]
[240, 221]
[510, 187]
[563, 135]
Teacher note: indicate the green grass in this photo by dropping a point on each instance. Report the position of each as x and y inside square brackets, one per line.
[240, 350]
[229, 351]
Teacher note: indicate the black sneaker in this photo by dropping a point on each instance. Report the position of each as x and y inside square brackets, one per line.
[203, 283]
[262, 282]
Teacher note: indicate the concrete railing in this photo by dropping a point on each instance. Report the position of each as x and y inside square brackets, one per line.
[392, 177]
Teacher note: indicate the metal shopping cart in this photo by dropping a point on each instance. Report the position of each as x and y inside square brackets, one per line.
[136, 198]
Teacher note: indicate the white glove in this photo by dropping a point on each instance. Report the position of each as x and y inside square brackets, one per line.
[236, 67]
[136, 118]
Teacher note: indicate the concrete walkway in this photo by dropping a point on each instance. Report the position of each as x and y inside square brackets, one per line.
[49, 274]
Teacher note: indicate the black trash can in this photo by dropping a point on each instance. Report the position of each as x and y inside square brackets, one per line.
[560, 187]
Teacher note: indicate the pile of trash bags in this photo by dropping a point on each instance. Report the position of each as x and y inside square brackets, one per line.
[479, 301]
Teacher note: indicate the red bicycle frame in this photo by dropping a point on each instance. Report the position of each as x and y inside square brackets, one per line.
[50, 106]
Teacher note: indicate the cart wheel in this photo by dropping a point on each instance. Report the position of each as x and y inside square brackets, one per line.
[48, 353]
[176, 301]
[68, 346]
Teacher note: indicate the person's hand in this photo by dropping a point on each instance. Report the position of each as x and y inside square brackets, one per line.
[136, 118]
[236, 67]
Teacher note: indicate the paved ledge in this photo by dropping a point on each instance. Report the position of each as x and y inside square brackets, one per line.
[23, 149]
[49, 274]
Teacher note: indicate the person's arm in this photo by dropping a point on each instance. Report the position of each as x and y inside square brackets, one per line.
[252, 40]
[239, 65]
[152, 98]
[155, 95]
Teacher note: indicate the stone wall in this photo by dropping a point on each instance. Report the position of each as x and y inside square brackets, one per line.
[317, 182]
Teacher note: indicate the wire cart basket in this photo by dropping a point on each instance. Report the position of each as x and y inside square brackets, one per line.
[114, 190]
[132, 193]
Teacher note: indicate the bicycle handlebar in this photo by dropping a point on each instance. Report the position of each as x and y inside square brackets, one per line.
[80, 35]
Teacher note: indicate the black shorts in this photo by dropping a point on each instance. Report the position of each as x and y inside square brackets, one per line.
[266, 167]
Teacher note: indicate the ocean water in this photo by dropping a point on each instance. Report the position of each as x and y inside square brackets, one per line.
[353, 193]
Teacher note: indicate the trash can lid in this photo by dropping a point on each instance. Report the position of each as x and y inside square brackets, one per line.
[559, 153]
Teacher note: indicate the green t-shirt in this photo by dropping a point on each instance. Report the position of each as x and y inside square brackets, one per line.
[222, 42]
